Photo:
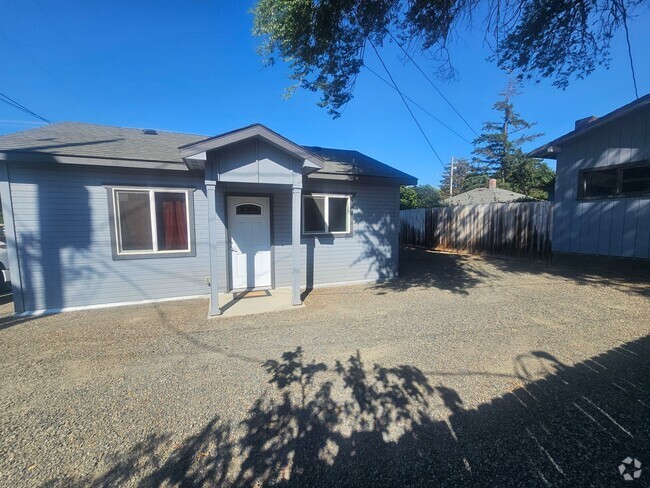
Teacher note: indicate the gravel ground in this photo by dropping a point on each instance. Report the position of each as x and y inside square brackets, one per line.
[465, 371]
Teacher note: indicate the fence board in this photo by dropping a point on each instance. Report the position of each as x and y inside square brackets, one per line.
[521, 229]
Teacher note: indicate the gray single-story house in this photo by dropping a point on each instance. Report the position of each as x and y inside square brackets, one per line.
[98, 215]
[602, 189]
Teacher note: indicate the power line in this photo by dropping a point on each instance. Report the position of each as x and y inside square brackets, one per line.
[405, 103]
[418, 105]
[13, 103]
[629, 50]
[432, 83]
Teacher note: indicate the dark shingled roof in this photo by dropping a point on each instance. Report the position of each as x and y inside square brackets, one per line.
[99, 141]
[350, 162]
[108, 142]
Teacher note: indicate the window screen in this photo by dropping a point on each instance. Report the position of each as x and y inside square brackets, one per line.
[338, 214]
[314, 214]
[135, 221]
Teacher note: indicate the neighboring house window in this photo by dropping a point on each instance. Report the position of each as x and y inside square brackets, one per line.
[622, 181]
[152, 221]
[326, 214]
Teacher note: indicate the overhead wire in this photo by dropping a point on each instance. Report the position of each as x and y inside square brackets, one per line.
[405, 102]
[419, 106]
[13, 103]
[408, 55]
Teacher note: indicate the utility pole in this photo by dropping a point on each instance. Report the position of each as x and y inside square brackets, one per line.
[451, 178]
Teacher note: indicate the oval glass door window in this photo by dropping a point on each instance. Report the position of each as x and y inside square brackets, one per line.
[248, 209]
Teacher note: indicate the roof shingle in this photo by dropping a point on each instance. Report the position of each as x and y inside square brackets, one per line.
[108, 142]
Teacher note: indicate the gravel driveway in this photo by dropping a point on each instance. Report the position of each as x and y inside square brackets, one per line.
[467, 371]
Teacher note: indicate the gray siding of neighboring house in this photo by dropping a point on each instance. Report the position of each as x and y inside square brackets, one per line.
[64, 245]
[369, 254]
[610, 227]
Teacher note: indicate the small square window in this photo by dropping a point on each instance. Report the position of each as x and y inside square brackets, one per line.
[326, 214]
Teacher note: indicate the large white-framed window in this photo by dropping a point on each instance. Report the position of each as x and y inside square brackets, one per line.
[152, 221]
[324, 213]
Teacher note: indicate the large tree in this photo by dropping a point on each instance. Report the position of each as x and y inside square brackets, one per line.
[498, 151]
[324, 41]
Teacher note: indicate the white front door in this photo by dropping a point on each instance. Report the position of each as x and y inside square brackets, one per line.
[249, 226]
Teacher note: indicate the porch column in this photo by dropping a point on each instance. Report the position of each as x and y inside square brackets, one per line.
[213, 219]
[296, 194]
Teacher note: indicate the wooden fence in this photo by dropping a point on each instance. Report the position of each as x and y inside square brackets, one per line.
[521, 229]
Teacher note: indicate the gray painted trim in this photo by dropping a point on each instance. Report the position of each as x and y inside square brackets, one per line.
[10, 233]
[36, 157]
[154, 255]
[254, 131]
[296, 224]
[213, 219]
[227, 195]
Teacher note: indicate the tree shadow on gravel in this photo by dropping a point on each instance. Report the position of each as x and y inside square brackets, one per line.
[350, 424]
[445, 271]
[459, 273]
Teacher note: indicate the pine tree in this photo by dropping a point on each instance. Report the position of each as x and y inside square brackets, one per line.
[498, 152]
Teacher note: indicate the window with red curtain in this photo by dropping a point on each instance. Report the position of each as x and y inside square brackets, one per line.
[171, 221]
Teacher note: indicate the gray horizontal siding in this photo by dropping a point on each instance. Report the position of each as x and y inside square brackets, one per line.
[610, 227]
[369, 254]
[64, 243]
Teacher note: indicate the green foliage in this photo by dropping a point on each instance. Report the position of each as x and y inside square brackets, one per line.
[424, 196]
[408, 198]
[462, 171]
[498, 153]
[427, 196]
[324, 42]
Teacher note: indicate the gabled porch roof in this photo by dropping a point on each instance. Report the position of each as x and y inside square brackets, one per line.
[196, 151]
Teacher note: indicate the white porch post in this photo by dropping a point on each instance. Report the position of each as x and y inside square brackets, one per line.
[213, 219]
[296, 195]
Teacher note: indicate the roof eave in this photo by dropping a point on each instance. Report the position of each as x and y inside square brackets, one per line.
[41, 157]
[543, 152]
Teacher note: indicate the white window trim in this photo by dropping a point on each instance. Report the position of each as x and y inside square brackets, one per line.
[154, 224]
[327, 197]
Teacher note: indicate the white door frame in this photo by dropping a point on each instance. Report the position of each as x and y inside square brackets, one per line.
[229, 264]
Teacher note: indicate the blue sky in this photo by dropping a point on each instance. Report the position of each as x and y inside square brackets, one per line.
[191, 66]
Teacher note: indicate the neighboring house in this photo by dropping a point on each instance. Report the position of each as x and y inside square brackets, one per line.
[100, 215]
[602, 191]
[491, 194]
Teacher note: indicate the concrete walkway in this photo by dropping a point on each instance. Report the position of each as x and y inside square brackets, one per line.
[254, 302]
